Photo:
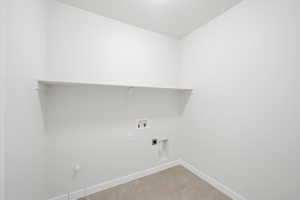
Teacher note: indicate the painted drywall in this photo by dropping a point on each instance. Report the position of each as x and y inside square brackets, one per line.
[87, 47]
[241, 126]
[2, 91]
[96, 127]
[24, 132]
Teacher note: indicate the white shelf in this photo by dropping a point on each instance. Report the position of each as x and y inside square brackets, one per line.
[71, 83]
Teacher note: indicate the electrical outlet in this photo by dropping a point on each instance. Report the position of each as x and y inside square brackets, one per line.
[76, 169]
[154, 141]
[142, 123]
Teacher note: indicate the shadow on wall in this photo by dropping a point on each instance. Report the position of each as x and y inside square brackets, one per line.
[89, 104]
[95, 127]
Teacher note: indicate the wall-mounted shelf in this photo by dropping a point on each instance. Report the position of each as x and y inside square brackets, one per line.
[71, 83]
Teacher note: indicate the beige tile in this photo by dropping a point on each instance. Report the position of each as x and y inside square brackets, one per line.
[176, 183]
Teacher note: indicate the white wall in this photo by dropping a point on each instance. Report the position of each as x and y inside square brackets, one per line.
[24, 133]
[96, 127]
[87, 47]
[2, 91]
[242, 124]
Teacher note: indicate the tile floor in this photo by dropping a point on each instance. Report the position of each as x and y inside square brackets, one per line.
[176, 183]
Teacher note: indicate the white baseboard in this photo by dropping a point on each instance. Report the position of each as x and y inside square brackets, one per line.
[215, 183]
[118, 181]
[125, 179]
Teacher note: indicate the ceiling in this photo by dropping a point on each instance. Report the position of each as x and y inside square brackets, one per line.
[172, 17]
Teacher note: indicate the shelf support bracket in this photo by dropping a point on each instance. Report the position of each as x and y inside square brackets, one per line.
[130, 90]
